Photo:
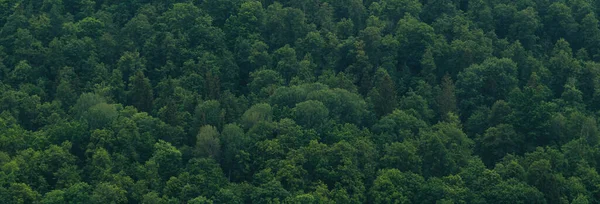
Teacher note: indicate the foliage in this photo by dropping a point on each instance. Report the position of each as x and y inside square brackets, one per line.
[299, 101]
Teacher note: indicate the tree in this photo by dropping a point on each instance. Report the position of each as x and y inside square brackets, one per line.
[361, 69]
[234, 106]
[394, 10]
[532, 113]
[481, 11]
[562, 65]
[500, 113]
[21, 193]
[65, 91]
[23, 73]
[429, 70]
[168, 159]
[101, 165]
[434, 9]
[84, 102]
[482, 84]
[504, 16]
[100, 115]
[540, 175]
[417, 105]
[256, 114]
[117, 87]
[397, 127]
[286, 62]
[209, 113]
[140, 92]
[130, 64]
[590, 33]
[108, 193]
[264, 82]
[343, 106]
[280, 19]
[90, 27]
[446, 99]
[249, 20]
[138, 29]
[394, 186]
[79, 192]
[233, 144]
[383, 94]
[571, 97]
[207, 142]
[525, 26]
[512, 191]
[311, 114]
[402, 156]
[498, 141]
[221, 10]
[562, 21]
[200, 200]
[54, 197]
[414, 37]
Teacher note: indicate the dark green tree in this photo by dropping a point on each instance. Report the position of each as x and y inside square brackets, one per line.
[140, 92]
[383, 95]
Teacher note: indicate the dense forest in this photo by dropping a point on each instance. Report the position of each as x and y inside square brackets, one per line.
[299, 101]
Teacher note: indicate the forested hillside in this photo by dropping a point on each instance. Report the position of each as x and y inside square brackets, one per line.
[299, 101]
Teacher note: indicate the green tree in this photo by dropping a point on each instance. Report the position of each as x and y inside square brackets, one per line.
[531, 114]
[383, 94]
[394, 10]
[286, 62]
[504, 15]
[311, 114]
[66, 89]
[498, 141]
[130, 64]
[397, 127]
[590, 33]
[416, 105]
[100, 115]
[264, 82]
[233, 144]
[402, 156]
[54, 197]
[101, 165]
[200, 200]
[168, 159]
[78, 193]
[207, 142]
[21, 193]
[414, 37]
[140, 92]
[209, 113]
[23, 73]
[525, 27]
[512, 191]
[561, 22]
[343, 106]
[256, 114]
[108, 193]
[562, 65]
[394, 186]
[541, 175]
[446, 99]
[482, 84]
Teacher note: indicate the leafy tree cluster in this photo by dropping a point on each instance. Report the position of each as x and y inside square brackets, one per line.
[299, 101]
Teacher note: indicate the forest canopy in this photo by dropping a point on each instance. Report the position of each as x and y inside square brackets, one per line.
[299, 101]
